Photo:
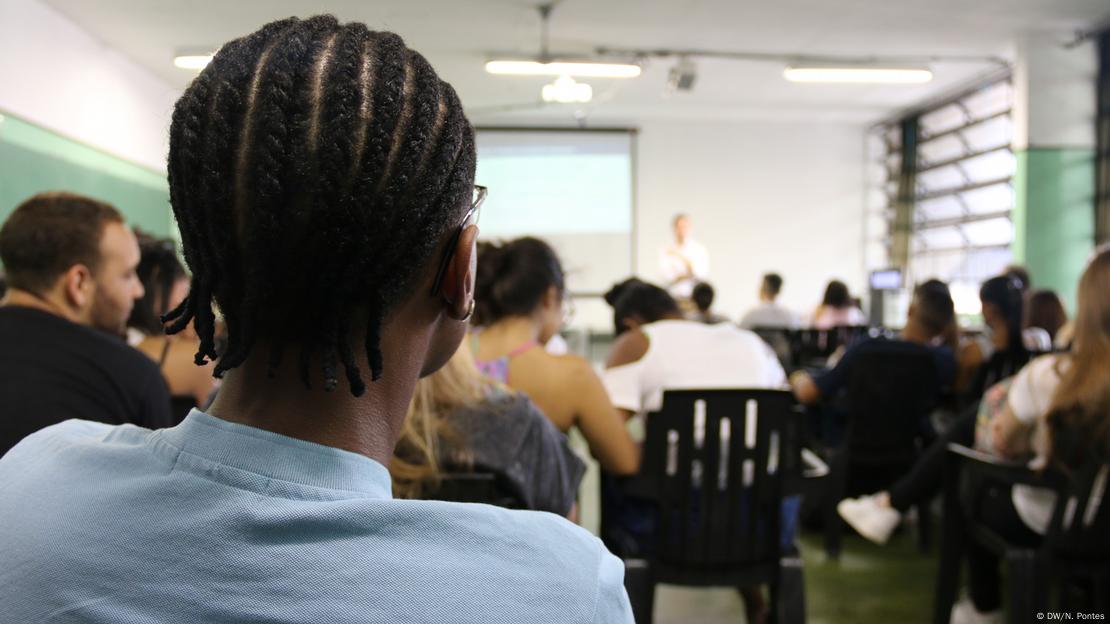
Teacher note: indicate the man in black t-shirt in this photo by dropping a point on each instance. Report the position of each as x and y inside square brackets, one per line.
[70, 266]
[930, 314]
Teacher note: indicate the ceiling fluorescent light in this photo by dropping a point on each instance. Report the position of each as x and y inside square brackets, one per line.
[580, 69]
[194, 62]
[858, 75]
[566, 91]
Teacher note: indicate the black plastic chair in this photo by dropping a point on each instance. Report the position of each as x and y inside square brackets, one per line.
[890, 395]
[473, 487]
[781, 340]
[1075, 552]
[812, 348]
[717, 464]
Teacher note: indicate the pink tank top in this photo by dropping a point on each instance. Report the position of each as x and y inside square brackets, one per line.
[498, 368]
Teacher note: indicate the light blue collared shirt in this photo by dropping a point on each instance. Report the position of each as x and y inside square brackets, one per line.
[213, 521]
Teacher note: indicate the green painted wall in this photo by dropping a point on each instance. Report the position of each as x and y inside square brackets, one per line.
[1054, 224]
[33, 160]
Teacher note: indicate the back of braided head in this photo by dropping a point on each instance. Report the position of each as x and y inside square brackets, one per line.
[314, 169]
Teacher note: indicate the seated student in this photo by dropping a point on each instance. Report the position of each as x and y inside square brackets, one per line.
[1056, 411]
[658, 350]
[930, 314]
[703, 300]
[1036, 338]
[322, 175]
[876, 516]
[838, 309]
[769, 314]
[70, 263]
[165, 285]
[462, 421]
[1046, 312]
[520, 291]
[1003, 350]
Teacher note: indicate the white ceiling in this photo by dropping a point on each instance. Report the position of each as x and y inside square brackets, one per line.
[458, 36]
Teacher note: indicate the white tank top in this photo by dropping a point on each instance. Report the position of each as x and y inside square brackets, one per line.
[691, 355]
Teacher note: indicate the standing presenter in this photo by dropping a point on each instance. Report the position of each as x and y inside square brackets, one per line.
[684, 262]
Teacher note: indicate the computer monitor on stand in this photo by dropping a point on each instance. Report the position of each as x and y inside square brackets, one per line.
[885, 286]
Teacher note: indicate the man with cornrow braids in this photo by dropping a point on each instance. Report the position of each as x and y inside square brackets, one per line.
[322, 178]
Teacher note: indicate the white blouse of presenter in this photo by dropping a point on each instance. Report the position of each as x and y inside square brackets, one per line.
[684, 262]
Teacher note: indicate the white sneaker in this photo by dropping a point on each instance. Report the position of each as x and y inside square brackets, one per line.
[870, 519]
[964, 612]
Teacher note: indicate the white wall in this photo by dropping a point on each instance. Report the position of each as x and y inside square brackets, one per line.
[763, 196]
[783, 196]
[54, 74]
[1055, 92]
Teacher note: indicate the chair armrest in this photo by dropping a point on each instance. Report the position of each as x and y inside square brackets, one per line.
[980, 456]
[980, 464]
[813, 467]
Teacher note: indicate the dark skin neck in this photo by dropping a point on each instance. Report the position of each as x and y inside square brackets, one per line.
[418, 337]
[368, 425]
[416, 340]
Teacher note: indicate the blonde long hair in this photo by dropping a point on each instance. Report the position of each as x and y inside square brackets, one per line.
[1079, 419]
[427, 430]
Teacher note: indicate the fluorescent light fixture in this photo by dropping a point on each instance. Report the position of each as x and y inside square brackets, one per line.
[858, 75]
[195, 62]
[566, 91]
[584, 69]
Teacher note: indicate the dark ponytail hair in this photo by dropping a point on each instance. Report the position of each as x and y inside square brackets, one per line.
[644, 302]
[614, 294]
[158, 270]
[837, 296]
[1006, 293]
[513, 278]
[1046, 311]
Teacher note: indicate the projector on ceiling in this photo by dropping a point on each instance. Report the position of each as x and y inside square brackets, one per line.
[682, 76]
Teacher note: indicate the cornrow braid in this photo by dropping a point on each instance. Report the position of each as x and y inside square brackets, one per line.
[269, 162]
[214, 102]
[314, 169]
[332, 152]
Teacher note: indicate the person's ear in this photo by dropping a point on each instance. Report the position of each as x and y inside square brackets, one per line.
[458, 281]
[78, 286]
[551, 298]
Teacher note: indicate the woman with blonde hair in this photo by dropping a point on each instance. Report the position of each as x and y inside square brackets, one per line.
[1058, 411]
[462, 421]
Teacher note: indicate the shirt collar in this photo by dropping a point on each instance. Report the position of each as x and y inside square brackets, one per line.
[277, 456]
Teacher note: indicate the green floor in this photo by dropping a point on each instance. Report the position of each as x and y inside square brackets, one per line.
[869, 584]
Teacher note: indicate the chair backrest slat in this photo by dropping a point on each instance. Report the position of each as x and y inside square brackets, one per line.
[1084, 523]
[716, 461]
